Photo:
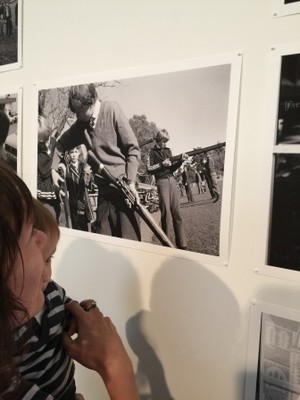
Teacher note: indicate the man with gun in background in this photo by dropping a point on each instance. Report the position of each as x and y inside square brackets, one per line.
[104, 129]
[160, 165]
[210, 174]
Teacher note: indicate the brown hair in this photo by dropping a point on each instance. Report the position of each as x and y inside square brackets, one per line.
[163, 134]
[44, 220]
[16, 207]
[82, 97]
[44, 129]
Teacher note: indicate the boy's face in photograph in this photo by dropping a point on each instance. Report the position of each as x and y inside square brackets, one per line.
[74, 155]
[85, 114]
[43, 146]
[161, 143]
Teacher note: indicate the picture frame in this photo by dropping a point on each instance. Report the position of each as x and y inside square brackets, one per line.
[276, 248]
[284, 8]
[157, 84]
[11, 47]
[273, 355]
[11, 105]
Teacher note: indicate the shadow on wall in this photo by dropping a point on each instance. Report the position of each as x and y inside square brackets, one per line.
[87, 270]
[187, 343]
[150, 376]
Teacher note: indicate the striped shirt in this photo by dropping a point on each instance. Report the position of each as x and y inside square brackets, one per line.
[46, 370]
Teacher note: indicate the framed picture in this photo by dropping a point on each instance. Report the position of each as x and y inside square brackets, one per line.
[279, 218]
[286, 7]
[10, 125]
[10, 34]
[195, 102]
[273, 366]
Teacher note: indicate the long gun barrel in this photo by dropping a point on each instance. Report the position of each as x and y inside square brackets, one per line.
[199, 151]
[127, 193]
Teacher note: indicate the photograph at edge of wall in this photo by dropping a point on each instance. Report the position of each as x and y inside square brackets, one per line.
[288, 121]
[9, 129]
[278, 372]
[284, 233]
[291, 1]
[9, 32]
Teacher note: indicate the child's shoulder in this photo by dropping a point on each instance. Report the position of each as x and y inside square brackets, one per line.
[54, 290]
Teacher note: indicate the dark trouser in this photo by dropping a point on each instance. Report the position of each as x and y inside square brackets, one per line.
[8, 27]
[189, 193]
[114, 217]
[79, 220]
[212, 184]
[170, 210]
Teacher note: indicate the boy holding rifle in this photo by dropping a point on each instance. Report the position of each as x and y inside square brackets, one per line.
[160, 165]
[104, 129]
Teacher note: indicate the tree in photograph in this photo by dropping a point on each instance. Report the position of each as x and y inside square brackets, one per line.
[54, 105]
[144, 131]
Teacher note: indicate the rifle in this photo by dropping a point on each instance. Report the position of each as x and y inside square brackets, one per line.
[198, 151]
[126, 192]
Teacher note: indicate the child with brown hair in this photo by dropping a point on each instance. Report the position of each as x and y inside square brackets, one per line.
[41, 336]
[35, 351]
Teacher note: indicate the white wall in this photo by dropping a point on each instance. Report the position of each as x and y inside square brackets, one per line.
[194, 316]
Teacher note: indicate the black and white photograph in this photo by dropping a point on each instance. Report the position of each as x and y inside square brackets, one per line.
[9, 137]
[140, 158]
[279, 366]
[273, 365]
[284, 8]
[284, 248]
[288, 121]
[10, 34]
[278, 251]
[284, 228]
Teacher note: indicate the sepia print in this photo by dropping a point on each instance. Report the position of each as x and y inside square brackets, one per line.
[284, 247]
[9, 129]
[10, 34]
[273, 361]
[286, 7]
[96, 159]
[289, 101]
[284, 231]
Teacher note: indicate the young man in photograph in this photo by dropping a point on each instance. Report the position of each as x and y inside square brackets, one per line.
[160, 165]
[104, 129]
[211, 177]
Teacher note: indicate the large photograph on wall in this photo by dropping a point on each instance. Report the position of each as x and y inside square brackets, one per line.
[145, 157]
[10, 105]
[286, 7]
[278, 224]
[284, 233]
[10, 34]
[273, 367]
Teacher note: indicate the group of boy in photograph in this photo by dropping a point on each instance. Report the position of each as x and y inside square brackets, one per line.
[70, 170]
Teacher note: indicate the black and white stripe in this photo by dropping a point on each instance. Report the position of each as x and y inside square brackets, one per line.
[45, 368]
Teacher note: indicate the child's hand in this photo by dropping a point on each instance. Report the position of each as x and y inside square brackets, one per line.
[99, 347]
[167, 162]
[56, 178]
[80, 205]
